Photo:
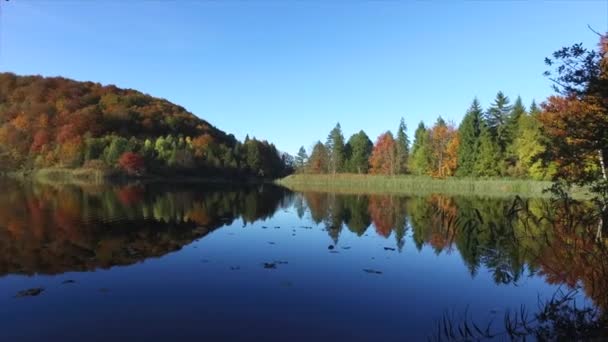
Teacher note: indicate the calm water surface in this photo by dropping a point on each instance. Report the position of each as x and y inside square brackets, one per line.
[260, 263]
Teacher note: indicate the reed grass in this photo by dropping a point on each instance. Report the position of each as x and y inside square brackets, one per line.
[417, 185]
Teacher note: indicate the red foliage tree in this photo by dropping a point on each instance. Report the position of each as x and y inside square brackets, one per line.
[132, 163]
[384, 155]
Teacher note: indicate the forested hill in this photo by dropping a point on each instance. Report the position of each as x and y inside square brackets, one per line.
[58, 122]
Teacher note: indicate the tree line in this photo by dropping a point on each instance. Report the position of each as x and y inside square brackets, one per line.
[503, 140]
[57, 122]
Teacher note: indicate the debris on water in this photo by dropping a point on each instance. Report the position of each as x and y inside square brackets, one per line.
[29, 292]
[270, 265]
[264, 227]
[346, 247]
[369, 270]
[280, 262]
[271, 242]
[68, 281]
[330, 247]
[389, 249]
[235, 268]
[277, 227]
[334, 252]
[306, 227]
[293, 234]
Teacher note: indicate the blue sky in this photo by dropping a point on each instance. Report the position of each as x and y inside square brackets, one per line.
[287, 71]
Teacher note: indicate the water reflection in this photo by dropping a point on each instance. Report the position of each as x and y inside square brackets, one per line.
[52, 229]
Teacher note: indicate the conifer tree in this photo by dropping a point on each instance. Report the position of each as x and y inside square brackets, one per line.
[402, 148]
[469, 130]
[420, 151]
[497, 118]
[488, 162]
[335, 149]
[301, 159]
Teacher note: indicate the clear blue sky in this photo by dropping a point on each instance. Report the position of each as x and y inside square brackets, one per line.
[287, 71]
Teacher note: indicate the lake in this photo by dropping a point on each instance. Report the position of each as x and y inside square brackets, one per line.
[259, 262]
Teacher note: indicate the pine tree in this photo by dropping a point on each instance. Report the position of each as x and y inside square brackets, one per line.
[497, 118]
[301, 159]
[420, 151]
[469, 130]
[488, 162]
[359, 149]
[335, 148]
[512, 132]
[402, 148]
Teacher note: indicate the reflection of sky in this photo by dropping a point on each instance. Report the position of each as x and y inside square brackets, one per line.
[194, 292]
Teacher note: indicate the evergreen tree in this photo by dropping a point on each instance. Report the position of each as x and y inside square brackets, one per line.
[497, 118]
[420, 150]
[469, 130]
[403, 148]
[359, 149]
[301, 159]
[335, 148]
[512, 132]
[488, 162]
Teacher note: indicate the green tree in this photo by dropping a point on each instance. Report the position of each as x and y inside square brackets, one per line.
[529, 146]
[497, 118]
[402, 148]
[359, 149]
[488, 162]
[335, 148]
[301, 159]
[469, 130]
[513, 131]
[420, 151]
[117, 147]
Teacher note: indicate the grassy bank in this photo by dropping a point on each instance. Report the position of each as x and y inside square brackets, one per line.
[82, 176]
[417, 185]
[67, 176]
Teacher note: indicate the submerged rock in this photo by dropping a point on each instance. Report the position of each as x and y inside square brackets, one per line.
[29, 292]
[270, 265]
[369, 270]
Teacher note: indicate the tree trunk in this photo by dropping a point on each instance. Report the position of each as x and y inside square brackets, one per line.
[601, 153]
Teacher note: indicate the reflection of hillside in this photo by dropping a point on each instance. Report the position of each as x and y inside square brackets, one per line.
[509, 240]
[46, 229]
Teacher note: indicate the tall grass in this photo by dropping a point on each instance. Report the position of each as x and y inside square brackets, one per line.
[409, 184]
[70, 176]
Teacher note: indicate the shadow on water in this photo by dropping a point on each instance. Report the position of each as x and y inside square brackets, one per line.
[51, 229]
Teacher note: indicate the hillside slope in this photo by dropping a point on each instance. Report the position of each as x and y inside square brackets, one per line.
[54, 121]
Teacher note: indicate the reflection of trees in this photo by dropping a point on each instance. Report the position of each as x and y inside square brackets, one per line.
[47, 229]
[510, 238]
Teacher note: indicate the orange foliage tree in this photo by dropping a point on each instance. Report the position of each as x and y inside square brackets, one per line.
[443, 142]
[576, 121]
[384, 155]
